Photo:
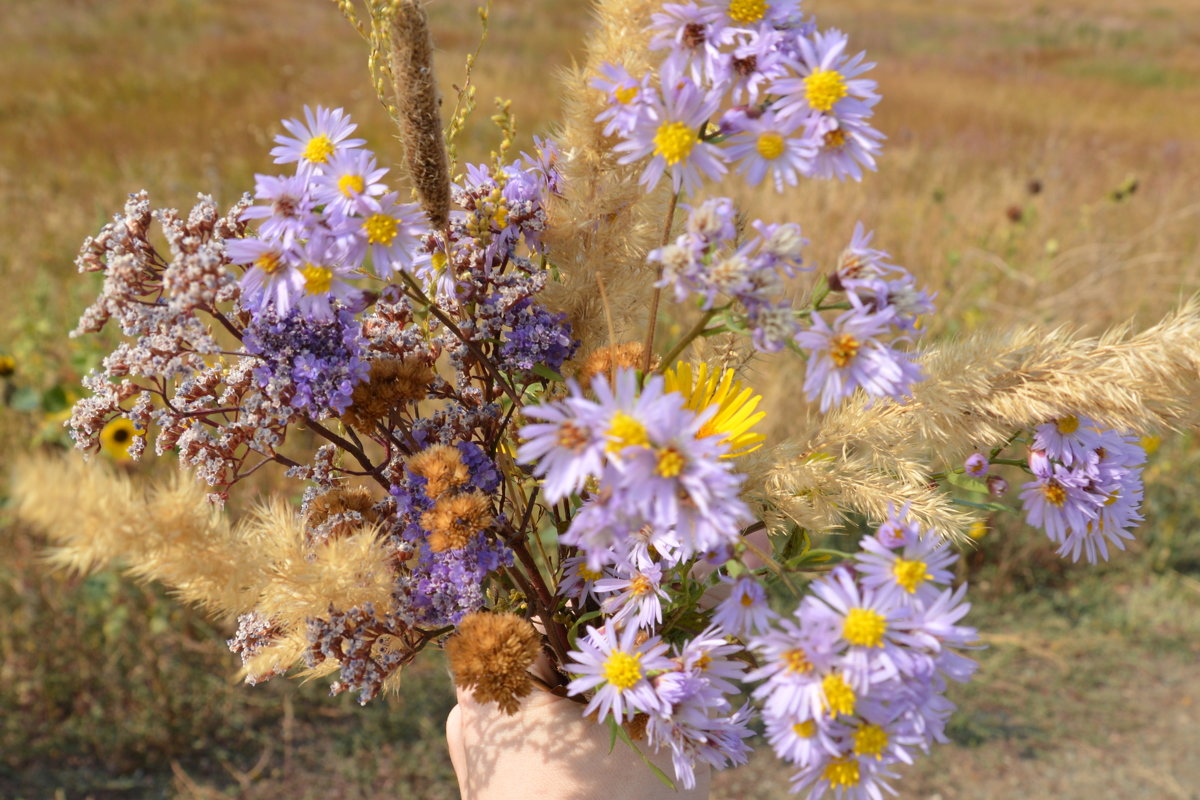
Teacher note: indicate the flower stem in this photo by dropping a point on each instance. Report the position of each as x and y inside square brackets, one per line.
[648, 347]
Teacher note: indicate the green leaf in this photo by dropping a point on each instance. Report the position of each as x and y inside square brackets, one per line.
[662, 776]
[54, 400]
[541, 370]
[982, 506]
[613, 727]
[25, 398]
[964, 481]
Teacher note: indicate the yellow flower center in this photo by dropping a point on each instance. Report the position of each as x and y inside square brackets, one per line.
[1054, 494]
[910, 574]
[438, 260]
[317, 280]
[670, 462]
[747, 11]
[350, 185]
[869, 740]
[625, 431]
[797, 661]
[843, 348]
[823, 88]
[674, 142]
[623, 670]
[1067, 425]
[835, 139]
[746, 600]
[625, 94]
[842, 772]
[589, 574]
[839, 697]
[319, 149]
[641, 585]
[805, 730]
[380, 228]
[864, 627]
[770, 145]
[269, 262]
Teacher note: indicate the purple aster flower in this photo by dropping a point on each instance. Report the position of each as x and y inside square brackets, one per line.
[865, 619]
[745, 611]
[756, 61]
[321, 135]
[848, 356]
[766, 145]
[1069, 439]
[976, 465]
[271, 279]
[848, 146]
[1058, 501]
[794, 660]
[667, 130]
[878, 284]
[346, 179]
[323, 271]
[287, 213]
[749, 14]
[694, 36]
[579, 581]
[618, 669]
[626, 95]
[387, 229]
[827, 80]
[915, 570]
[637, 598]
[545, 163]
[567, 448]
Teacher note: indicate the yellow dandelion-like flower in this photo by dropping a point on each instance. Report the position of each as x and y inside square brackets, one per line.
[8, 365]
[735, 414]
[117, 437]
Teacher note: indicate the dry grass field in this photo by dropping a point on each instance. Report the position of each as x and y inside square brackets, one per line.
[1089, 687]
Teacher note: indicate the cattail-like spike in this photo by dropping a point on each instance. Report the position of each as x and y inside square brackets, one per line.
[410, 56]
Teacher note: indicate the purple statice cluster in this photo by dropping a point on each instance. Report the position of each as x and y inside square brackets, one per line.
[748, 84]
[535, 336]
[1087, 487]
[707, 261]
[659, 485]
[686, 693]
[318, 226]
[854, 681]
[309, 364]
[858, 350]
[441, 586]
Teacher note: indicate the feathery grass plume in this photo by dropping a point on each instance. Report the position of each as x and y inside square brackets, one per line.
[977, 393]
[491, 654]
[410, 60]
[979, 390]
[169, 532]
[605, 223]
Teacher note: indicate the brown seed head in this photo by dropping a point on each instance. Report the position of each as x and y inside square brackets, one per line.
[607, 359]
[455, 518]
[392, 382]
[442, 468]
[411, 56]
[491, 654]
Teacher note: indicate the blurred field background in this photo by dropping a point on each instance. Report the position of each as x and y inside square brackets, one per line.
[1042, 166]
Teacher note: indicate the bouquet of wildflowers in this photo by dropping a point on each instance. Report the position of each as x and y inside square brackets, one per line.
[502, 452]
